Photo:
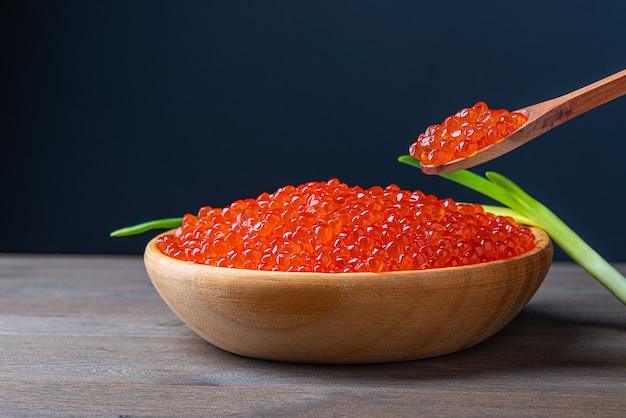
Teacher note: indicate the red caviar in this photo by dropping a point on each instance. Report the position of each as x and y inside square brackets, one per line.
[464, 134]
[331, 227]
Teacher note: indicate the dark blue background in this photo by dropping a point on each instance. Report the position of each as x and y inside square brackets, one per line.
[116, 112]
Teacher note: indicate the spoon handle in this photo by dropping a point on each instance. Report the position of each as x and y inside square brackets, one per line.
[563, 108]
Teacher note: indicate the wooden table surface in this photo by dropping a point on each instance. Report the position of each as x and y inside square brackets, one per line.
[89, 336]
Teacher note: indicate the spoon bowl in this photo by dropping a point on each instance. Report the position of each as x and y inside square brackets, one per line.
[541, 118]
[348, 317]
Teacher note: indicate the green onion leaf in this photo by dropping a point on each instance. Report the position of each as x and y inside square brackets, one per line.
[167, 223]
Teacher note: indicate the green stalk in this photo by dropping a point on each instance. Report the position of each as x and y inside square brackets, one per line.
[167, 223]
[527, 210]
[568, 240]
[470, 180]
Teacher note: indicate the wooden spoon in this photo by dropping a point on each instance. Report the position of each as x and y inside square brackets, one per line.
[541, 118]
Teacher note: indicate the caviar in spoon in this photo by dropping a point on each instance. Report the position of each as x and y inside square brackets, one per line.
[541, 118]
[464, 134]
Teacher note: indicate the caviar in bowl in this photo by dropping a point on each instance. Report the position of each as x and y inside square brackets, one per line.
[348, 317]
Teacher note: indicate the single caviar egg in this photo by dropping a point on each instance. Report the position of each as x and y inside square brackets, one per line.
[331, 227]
[464, 134]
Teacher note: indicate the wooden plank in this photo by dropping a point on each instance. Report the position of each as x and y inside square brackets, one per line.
[89, 399]
[89, 336]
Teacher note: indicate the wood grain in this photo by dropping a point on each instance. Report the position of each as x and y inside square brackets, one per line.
[89, 336]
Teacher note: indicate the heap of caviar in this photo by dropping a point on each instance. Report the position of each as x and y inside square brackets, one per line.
[464, 134]
[331, 227]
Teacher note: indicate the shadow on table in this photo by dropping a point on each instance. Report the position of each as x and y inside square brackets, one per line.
[536, 340]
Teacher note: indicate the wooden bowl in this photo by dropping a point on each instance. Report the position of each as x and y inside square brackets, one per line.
[348, 317]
